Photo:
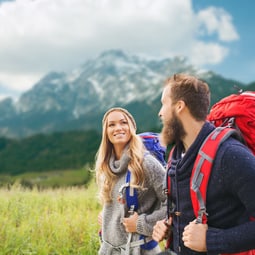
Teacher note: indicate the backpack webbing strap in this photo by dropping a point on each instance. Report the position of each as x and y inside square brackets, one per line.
[202, 169]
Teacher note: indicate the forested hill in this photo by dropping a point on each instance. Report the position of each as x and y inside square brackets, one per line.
[57, 151]
[56, 125]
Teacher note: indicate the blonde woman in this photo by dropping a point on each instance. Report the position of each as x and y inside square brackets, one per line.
[122, 150]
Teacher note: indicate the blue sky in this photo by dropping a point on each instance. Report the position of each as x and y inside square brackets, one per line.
[39, 36]
[240, 64]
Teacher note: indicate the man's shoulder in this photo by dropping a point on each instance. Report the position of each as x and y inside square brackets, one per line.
[232, 154]
[234, 146]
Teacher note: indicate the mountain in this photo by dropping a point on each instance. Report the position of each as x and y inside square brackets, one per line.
[77, 100]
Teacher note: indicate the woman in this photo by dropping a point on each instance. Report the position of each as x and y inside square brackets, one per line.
[122, 150]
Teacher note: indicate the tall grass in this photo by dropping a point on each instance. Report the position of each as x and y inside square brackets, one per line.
[49, 222]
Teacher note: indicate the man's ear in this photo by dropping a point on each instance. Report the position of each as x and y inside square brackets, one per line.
[180, 105]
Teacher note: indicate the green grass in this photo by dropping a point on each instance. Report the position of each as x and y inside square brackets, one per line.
[49, 222]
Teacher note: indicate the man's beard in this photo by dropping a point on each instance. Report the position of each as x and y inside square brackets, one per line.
[173, 131]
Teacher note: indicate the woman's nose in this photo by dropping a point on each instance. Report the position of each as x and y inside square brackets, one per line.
[118, 127]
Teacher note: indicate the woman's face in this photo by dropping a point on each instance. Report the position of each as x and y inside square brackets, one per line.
[118, 130]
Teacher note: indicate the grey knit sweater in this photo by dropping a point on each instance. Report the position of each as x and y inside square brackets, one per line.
[150, 209]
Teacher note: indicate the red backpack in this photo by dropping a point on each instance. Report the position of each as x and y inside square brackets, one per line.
[233, 116]
[237, 111]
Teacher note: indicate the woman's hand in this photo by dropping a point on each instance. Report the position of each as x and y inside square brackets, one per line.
[130, 223]
[162, 230]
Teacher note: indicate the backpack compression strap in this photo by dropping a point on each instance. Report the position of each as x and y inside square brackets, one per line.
[202, 170]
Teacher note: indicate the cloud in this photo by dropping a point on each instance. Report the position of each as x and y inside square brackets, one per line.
[218, 21]
[207, 53]
[38, 36]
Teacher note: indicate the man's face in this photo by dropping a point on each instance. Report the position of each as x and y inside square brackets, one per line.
[173, 130]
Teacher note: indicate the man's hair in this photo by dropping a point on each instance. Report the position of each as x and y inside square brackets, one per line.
[193, 91]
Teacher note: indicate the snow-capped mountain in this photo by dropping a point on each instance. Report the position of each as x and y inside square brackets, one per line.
[77, 100]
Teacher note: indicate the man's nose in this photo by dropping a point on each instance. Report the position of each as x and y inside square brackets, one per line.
[160, 114]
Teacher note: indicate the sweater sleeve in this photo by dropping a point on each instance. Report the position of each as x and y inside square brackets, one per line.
[152, 202]
[237, 167]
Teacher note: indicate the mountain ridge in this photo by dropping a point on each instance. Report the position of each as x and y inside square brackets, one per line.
[77, 100]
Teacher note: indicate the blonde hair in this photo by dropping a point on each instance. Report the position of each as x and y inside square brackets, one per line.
[104, 176]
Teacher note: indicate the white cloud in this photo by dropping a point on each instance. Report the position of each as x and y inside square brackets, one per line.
[218, 21]
[20, 80]
[37, 36]
[207, 53]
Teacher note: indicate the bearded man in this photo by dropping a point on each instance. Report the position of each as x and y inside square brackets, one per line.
[230, 192]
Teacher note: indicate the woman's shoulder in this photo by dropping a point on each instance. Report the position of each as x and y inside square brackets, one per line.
[151, 164]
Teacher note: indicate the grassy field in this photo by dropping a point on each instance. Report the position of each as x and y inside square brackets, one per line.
[49, 222]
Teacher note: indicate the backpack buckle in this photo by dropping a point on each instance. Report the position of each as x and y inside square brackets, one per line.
[122, 189]
[202, 212]
[131, 210]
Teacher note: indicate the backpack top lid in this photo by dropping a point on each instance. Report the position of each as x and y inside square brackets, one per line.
[152, 143]
[237, 111]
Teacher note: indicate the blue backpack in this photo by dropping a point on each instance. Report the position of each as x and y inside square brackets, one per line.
[153, 146]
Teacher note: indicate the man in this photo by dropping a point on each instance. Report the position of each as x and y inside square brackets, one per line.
[230, 192]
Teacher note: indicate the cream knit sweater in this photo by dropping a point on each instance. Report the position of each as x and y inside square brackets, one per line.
[149, 211]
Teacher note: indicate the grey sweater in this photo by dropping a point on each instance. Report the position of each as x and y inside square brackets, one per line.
[149, 211]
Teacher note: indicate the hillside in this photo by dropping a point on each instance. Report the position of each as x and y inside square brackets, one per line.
[48, 152]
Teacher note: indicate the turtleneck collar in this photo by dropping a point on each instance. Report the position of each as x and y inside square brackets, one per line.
[119, 166]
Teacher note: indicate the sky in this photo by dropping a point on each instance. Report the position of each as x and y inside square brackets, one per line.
[39, 36]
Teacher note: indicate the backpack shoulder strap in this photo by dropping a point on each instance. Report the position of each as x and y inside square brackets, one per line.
[132, 204]
[202, 170]
[131, 195]
[167, 185]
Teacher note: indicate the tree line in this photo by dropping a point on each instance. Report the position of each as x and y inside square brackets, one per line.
[45, 152]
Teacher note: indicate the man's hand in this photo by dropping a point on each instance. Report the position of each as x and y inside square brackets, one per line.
[194, 236]
[162, 230]
[130, 223]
